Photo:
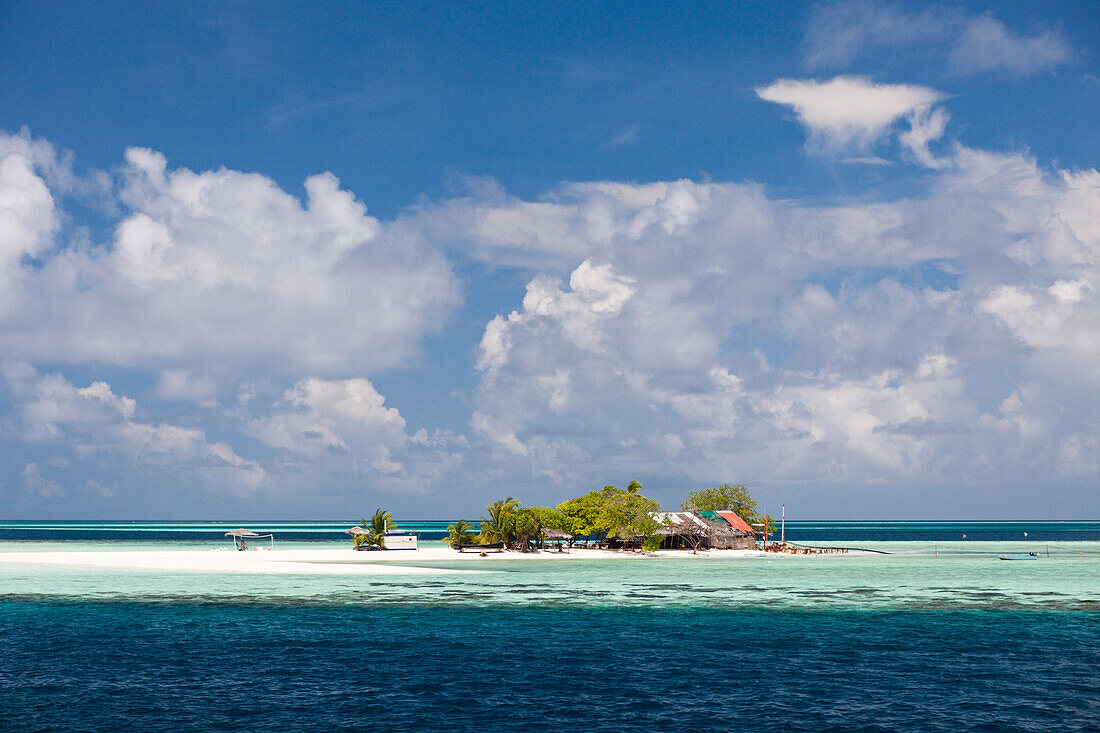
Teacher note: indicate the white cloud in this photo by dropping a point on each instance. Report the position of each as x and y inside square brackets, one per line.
[776, 342]
[867, 160]
[28, 218]
[687, 332]
[1061, 321]
[56, 167]
[37, 485]
[93, 422]
[837, 33]
[628, 136]
[345, 422]
[926, 125]
[547, 235]
[848, 111]
[227, 271]
[840, 33]
[986, 45]
[325, 411]
[179, 384]
[1079, 454]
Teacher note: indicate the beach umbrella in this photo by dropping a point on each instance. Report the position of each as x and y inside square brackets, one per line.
[356, 531]
[241, 533]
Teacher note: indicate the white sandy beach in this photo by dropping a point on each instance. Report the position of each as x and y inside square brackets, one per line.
[343, 561]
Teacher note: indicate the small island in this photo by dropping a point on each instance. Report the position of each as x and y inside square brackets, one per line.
[611, 518]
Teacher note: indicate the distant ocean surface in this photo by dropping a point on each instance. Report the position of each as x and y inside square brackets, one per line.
[939, 635]
[328, 531]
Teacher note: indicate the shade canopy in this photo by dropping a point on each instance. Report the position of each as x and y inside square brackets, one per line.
[356, 531]
[556, 534]
[241, 533]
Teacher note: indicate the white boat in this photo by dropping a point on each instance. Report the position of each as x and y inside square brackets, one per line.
[398, 540]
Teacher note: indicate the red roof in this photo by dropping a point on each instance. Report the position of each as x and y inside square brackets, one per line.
[735, 521]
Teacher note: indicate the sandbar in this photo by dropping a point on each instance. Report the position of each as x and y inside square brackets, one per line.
[335, 561]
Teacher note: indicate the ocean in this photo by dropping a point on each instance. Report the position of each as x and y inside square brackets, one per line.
[938, 635]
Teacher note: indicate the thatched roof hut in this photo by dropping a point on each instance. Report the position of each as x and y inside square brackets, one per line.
[555, 534]
[694, 530]
[680, 523]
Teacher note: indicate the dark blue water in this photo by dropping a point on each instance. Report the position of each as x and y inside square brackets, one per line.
[1065, 531]
[333, 531]
[134, 666]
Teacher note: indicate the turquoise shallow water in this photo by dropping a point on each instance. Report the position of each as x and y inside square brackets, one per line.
[923, 570]
[915, 575]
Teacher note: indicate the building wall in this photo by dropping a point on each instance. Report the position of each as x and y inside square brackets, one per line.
[722, 542]
[734, 543]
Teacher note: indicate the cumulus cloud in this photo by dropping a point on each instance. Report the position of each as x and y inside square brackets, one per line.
[38, 486]
[28, 216]
[1059, 321]
[225, 271]
[727, 334]
[840, 33]
[848, 111]
[346, 423]
[689, 332]
[92, 422]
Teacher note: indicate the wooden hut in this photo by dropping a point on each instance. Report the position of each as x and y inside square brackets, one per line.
[739, 533]
[681, 530]
[693, 531]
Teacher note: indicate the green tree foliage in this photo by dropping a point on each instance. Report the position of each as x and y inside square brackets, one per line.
[550, 518]
[735, 498]
[582, 514]
[517, 527]
[525, 529]
[380, 522]
[628, 515]
[460, 533]
[766, 522]
[499, 525]
[610, 512]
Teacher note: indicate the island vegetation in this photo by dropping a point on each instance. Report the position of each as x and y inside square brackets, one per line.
[607, 514]
[374, 531]
[735, 498]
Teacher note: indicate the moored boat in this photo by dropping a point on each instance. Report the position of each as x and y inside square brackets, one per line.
[1021, 556]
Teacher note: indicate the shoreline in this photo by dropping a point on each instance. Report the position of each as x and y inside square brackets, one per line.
[328, 561]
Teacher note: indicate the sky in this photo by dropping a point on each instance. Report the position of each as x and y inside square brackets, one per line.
[301, 260]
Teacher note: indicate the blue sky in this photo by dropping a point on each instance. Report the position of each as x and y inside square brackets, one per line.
[274, 260]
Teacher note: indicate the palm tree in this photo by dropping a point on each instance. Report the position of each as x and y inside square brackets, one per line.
[633, 487]
[499, 526]
[379, 524]
[460, 533]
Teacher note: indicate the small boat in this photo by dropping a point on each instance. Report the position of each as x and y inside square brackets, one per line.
[1028, 556]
